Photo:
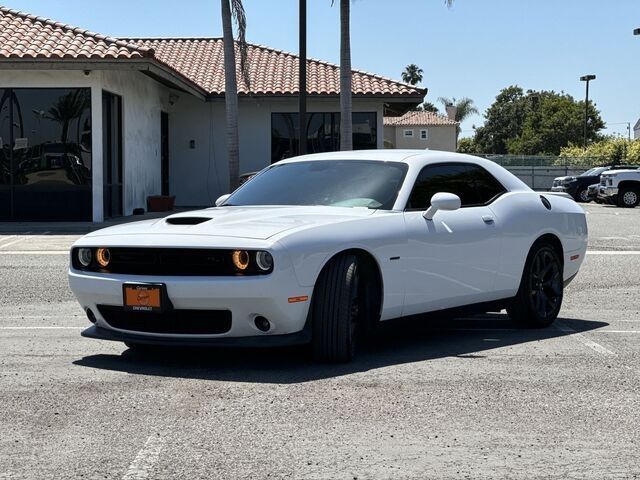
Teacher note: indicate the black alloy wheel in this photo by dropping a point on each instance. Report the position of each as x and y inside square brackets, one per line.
[539, 297]
[583, 195]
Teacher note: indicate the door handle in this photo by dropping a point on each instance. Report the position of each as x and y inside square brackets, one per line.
[488, 219]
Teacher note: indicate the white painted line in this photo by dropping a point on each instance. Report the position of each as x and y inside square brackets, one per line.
[147, 457]
[40, 328]
[618, 331]
[34, 252]
[584, 340]
[613, 252]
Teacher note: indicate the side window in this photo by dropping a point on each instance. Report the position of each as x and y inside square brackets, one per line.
[472, 183]
[486, 186]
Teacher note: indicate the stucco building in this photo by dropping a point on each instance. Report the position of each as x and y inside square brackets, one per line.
[419, 129]
[90, 125]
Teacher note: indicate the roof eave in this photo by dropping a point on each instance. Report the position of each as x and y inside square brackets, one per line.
[149, 66]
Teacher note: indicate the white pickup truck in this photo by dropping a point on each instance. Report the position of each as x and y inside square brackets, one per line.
[620, 187]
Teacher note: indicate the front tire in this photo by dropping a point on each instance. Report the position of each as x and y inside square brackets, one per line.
[628, 197]
[539, 297]
[335, 310]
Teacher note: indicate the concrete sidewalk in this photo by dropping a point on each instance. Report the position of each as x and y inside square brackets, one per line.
[60, 228]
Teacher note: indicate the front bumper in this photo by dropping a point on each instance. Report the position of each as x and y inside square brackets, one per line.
[607, 193]
[245, 297]
[559, 188]
[256, 341]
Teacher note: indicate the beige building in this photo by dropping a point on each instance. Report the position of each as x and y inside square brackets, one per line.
[420, 130]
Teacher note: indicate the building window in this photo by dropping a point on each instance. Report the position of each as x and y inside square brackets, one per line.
[323, 133]
[408, 133]
[424, 134]
[45, 154]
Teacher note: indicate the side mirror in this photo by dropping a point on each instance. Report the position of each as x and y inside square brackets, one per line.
[442, 201]
[222, 199]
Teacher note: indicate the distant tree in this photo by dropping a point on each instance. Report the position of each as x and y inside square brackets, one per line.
[427, 107]
[412, 74]
[535, 122]
[467, 145]
[464, 108]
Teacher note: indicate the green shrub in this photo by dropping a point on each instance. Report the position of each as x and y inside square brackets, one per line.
[610, 150]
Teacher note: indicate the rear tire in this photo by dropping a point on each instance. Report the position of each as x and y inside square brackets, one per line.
[335, 310]
[582, 196]
[628, 197]
[539, 297]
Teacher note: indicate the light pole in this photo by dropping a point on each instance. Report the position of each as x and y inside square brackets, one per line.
[587, 79]
[302, 78]
[636, 31]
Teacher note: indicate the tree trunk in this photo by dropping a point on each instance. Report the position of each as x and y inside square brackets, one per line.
[231, 97]
[346, 128]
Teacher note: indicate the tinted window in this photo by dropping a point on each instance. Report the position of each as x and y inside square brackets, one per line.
[473, 184]
[339, 183]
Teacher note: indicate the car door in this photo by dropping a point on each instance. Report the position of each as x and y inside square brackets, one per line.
[451, 260]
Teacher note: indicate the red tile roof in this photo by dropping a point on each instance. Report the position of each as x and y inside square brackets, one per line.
[418, 119]
[271, 72]
[27, 36]
[199, 61]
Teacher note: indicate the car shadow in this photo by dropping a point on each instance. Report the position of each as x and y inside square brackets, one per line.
[397, 342]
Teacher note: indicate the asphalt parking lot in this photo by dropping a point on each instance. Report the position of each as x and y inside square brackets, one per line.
[469, 398]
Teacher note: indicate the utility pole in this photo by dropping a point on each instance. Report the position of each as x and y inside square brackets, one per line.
[302, 81]
[587, 79]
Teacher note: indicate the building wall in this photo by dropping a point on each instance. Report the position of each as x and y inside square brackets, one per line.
[439, 137]
[142, 101]
[199, 175]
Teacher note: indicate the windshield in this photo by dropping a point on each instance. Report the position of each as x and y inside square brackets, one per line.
[593, 172]
[336, 183]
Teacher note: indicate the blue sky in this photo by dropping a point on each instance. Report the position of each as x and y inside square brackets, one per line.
[474, 49]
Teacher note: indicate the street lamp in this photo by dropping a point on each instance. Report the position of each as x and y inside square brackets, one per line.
[636, 31]
[587, 79]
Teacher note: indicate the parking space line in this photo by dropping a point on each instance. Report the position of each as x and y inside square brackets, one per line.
[584, 340]
[145, 460]
[8, 237]
[33, 252]
[618, 331]
[41, 328]
[613, 252]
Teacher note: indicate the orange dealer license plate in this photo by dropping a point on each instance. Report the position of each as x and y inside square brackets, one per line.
[144, 297]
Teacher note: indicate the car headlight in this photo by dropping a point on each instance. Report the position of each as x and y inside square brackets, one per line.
[240, 259]
[264, 260]
[85, 256]
[103, 257]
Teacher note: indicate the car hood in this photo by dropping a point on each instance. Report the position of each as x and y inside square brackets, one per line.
[257, 222]
[560, 179]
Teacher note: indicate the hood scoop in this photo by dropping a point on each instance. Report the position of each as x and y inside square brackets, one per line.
[187, 220]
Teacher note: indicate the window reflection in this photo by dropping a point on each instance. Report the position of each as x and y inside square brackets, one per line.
[46, 161]
[323, 133]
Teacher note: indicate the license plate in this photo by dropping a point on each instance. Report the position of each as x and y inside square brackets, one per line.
[143, 297]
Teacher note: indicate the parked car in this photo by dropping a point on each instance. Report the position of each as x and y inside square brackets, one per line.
[578, 186]
[592, 192]
[621, 187]
[319, 248]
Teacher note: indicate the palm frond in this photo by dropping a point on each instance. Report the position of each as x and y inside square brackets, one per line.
[240, 19]
[448, 3]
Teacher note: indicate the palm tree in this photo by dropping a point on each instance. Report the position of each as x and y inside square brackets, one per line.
[68, 108]
[412, 74]
[233, 9]
[464, 108]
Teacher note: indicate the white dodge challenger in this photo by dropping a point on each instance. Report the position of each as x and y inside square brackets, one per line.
[318, 248]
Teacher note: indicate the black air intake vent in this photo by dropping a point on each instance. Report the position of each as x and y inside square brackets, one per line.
[187, 220]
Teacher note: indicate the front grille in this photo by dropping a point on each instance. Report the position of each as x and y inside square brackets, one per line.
[195, 322]
[603, 181]
[170, 261]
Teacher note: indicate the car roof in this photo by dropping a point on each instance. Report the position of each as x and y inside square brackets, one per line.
[388, 155]
[416, 158]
